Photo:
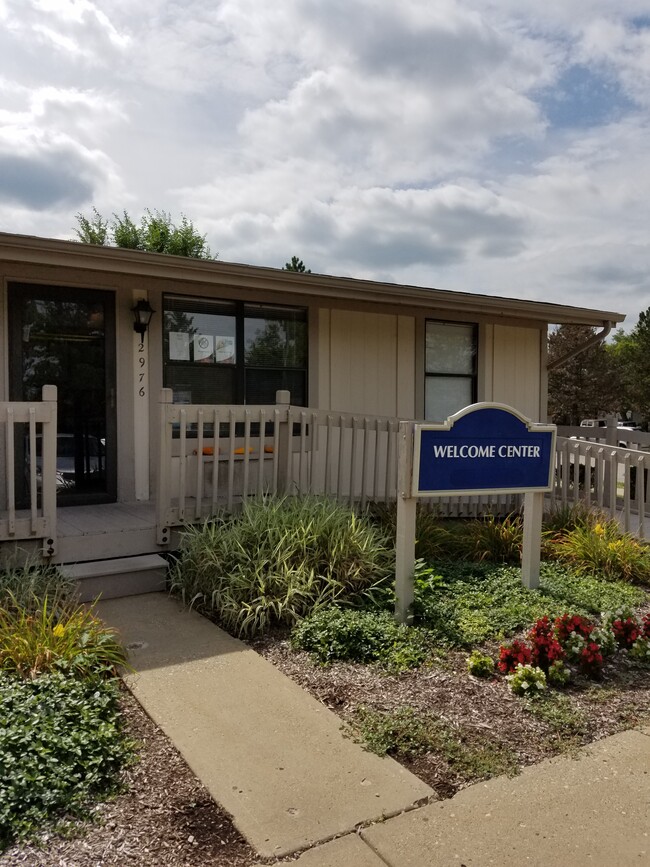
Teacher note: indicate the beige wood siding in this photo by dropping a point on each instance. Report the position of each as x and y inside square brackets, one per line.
[367, 363]
[516, 363]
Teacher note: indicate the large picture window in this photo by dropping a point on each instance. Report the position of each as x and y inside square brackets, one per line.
[450, 368]
[229, 352]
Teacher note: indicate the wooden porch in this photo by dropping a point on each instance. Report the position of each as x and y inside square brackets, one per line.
[213, 457]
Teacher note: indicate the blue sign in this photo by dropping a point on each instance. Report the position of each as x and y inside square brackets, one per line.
[484, 448]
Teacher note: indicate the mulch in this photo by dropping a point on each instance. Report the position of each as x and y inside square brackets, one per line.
[166, 818]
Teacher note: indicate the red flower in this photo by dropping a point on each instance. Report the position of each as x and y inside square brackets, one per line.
[546, 648]
[591, 659]
[566, 624]
[626, 631]
[511, 655]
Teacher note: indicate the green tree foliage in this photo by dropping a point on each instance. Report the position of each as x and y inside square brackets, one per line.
[585, 386]
[632, 354]
[296, 264]
[156, 233]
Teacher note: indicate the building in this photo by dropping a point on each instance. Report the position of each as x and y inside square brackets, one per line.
[231, 334]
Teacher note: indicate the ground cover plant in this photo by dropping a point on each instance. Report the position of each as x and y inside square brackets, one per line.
[61, 739]
[61, 747]
[566, 674]
[279, 559]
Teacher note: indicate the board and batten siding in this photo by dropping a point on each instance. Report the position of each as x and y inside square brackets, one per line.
[366, 363]
[513, 358]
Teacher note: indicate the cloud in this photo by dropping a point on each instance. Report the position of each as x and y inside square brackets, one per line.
[40, 182]
[489, 146]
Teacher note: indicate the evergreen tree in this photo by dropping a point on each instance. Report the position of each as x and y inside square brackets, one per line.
[296, 264]
[585, 386]
[632, 354]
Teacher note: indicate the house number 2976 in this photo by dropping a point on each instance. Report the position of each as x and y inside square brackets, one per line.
[142, 363]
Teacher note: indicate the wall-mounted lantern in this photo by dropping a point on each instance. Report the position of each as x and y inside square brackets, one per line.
[142, 313]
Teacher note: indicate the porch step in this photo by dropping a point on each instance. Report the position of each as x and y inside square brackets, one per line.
[124, 576]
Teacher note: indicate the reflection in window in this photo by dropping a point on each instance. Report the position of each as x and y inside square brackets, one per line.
[450, 368]
[220, 352]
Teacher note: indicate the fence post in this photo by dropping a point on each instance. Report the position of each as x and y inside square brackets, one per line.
[611, 439]
[48, 470]
[163, 490]
[405, 530]
[283, 402]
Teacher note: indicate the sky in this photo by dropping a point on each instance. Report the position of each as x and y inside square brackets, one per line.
[491, 146]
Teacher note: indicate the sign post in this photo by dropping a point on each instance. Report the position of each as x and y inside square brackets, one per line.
[486, 448]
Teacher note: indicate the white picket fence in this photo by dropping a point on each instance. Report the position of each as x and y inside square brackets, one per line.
[608, 477]
[280, 449]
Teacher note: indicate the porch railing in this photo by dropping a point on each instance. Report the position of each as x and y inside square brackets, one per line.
[29, 433]
[213, 457]
[609, 477]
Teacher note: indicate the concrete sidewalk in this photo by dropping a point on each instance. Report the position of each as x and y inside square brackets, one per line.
[268, 752]
[276, 759]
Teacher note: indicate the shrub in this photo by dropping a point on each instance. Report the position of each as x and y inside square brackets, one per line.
[527, 680]
[360, 636]
[591, 659]
[496, 540]
[61, 746]
[626, 631]
[513, 655]
[480, 664]
[566, 517]
[42, 640]
[604, 549]
[25, 587]
[558, 674]
[568, 623]
[465, 604]
[279, 560]
[640, 650]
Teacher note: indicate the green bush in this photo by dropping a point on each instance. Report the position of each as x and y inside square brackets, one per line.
[24, 587]
[495, 540]
[480, 664]
[35, 641]
[360, 636]
[528, 680]
[465, 604]
[61, 746]
[603, 549]
[280, 559]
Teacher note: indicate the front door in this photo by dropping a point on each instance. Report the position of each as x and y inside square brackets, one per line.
[66, 337]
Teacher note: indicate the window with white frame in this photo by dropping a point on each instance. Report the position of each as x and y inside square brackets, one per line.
[450, 368]
[231, 352]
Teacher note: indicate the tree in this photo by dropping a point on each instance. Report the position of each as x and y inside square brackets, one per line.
[296, 264]
[585, 386]
[156, 233]
[632, 354]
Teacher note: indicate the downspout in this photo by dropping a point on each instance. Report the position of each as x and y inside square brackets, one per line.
[594, 340]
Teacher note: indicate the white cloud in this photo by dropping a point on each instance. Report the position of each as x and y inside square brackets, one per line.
[411, 140]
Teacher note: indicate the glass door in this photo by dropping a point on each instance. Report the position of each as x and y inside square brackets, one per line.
[66, 337]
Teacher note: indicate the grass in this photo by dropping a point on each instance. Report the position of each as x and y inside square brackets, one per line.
[23, 587]
[405, 733]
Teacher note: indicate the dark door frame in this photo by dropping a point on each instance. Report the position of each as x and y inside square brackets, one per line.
[19, 291]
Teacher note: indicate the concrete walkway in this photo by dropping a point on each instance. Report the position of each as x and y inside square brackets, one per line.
[276, 759]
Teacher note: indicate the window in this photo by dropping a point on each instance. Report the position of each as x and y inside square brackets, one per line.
[228, 352]
[450, 368]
